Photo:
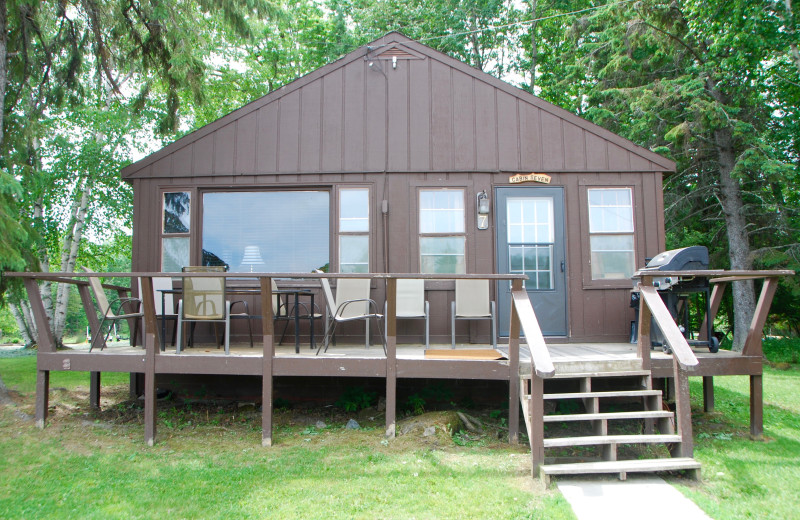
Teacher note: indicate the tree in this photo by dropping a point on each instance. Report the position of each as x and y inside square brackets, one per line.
[82, 61]
[696, 81]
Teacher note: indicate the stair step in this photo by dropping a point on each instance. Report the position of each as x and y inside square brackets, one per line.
[620, 466]
[644, 414]
[596, 375]
[621, 393]
[596, 440]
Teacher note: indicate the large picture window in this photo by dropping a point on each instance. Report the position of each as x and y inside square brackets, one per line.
[611, 233]
[354, 230]
[176, 221]
[267, 231]
[442, 239]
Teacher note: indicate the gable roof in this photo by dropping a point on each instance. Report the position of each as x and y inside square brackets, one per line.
[397, 106]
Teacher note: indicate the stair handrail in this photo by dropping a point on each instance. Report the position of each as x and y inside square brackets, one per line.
[541, 363]
[681, 350]
[684, 360]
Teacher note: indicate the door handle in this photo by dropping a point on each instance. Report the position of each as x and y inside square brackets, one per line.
[563, 265]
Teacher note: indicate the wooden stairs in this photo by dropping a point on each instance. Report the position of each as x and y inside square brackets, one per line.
[605, 421]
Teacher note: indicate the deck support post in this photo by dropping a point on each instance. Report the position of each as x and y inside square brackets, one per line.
[391, 357]
[708, 394]
[513, 371]
[150, 387]
[756, 406]
[267, 358]
[46, 344]
[683, 411]
[94, 390]
[42, 397]
[536, 433]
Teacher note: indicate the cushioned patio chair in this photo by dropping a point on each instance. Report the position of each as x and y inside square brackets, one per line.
[411, 303]
[113, 311]
[352, 303]
[472, 303]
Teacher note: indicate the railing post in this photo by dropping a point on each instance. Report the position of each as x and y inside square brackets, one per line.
[391, 357]
[267, 359]
[46, 344]
[150, 385]
[752, 345]
[536, 412]
[683, 410]
[513, 369]
[645, 317]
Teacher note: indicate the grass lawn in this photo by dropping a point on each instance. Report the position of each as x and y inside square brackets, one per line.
[743, 478]
[209, 463]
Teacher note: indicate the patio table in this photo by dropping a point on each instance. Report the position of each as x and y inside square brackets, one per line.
[295, 291]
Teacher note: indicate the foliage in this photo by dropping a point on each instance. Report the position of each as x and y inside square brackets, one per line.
[784, 350]
[356, 398]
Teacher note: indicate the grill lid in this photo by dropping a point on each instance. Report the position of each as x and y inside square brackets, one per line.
[684, 259]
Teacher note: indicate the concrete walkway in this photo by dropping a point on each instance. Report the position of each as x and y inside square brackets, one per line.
[636, 498]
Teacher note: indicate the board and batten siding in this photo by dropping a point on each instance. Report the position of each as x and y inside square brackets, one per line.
[429, 121]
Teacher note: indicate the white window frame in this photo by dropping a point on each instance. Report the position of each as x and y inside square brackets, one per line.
[441, 234]
[360, 231]
[621, 231]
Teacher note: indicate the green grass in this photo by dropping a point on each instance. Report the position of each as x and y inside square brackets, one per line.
[19, 374]
[209, 463]
[743, 478]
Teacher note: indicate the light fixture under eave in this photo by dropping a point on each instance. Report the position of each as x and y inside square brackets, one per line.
[252, 257]
[483, 210]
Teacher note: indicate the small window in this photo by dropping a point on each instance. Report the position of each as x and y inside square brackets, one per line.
[176, 222]
[611, 233]
[354, 230]
[442, 241]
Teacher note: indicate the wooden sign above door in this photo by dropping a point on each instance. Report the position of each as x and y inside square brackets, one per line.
[542, 178]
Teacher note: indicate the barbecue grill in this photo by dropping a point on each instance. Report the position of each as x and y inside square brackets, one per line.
[677, 291]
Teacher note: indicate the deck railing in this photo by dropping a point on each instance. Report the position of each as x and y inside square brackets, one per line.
[522, 319]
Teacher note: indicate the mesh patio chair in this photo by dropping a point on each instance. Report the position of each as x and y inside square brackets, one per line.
[112, 311]
[411, 303]
[352, 303]
[207, 305]
[472, 303]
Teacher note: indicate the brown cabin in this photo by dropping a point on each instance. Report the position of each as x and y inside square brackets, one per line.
[400, 159]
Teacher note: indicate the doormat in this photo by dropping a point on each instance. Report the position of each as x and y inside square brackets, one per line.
[470, 353]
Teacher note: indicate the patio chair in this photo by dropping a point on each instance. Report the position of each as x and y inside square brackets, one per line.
[411, 303]
[472, 303]
[233, 315]
[163, 283]
[352, 303]
[112, 311]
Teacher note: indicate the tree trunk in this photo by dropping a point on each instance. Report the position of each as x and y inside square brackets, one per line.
[22, 323]
[70, 253]
[730, 198]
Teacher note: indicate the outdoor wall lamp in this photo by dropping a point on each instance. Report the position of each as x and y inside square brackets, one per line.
[483, 210]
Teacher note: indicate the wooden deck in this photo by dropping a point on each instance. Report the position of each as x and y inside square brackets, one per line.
[527, 363]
